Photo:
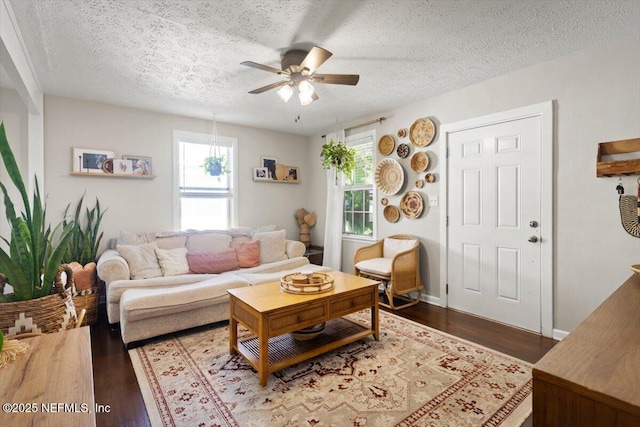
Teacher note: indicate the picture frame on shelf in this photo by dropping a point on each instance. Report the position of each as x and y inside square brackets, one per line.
[294, 174]
[141, 165]
[122, 166]
[270, 163]
[261, 174]
[90, 160]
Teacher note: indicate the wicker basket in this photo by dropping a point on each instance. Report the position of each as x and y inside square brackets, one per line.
[88, 299]
[300, 283]
[53, 313]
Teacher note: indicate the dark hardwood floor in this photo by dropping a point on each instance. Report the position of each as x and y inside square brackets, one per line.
[116, 385]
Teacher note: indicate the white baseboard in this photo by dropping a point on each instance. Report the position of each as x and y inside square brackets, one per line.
[429, 299]
[558, 334]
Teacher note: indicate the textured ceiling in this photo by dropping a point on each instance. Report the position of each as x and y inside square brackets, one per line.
[183, 57]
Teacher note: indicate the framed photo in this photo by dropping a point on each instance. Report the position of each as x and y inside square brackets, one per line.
[260, 174]
[89, 160]
[141, 165]
[122, 166]
[294, 174]
[270, 163]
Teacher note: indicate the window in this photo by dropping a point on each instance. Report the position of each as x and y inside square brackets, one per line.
[203, 201]
[359, 205]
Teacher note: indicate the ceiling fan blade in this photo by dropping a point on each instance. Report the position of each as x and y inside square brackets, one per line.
[269, 87]
[263, 67]
[315, 58]
[337, 79]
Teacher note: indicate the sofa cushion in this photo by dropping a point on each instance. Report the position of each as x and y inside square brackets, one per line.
[208, 241]
[172, 242]
[272, 246]
[392, 247]
[145, 303]
[276, 266]
[173, 261]
[130, 238]
[248, 253]
[142, 260]
[212, 262]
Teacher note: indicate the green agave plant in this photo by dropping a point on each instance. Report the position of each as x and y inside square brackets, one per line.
[84, 241]
[32, 262]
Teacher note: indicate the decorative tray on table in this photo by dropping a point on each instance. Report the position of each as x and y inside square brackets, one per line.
[306, 283]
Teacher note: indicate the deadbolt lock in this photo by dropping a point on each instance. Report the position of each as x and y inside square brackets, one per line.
[533, 224]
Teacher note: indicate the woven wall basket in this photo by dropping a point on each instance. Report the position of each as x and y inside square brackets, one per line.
[629, 215]
[53, 313]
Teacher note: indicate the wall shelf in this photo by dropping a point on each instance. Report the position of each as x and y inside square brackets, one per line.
[618, 167]
[113, 175]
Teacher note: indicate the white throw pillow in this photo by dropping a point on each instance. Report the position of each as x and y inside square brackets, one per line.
[392, 247]
[173, 261]
[142, 260]
[273, 246]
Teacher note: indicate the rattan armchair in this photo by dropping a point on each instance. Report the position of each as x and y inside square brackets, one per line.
[395, 261]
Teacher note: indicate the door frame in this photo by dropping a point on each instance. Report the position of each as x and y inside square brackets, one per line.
[544, 110]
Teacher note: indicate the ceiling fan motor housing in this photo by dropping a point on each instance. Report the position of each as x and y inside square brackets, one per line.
[292, 59]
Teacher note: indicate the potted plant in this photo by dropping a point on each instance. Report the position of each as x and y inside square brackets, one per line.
[32, 266]
[216, 165]
[337, 156]
[82, 255]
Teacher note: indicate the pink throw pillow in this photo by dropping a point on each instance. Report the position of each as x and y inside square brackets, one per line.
[212, 262]
[248, 253]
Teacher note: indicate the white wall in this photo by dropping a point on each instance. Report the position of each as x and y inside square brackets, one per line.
[596, 95]
[146, 205]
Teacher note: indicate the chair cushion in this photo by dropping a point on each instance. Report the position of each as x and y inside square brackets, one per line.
[380, 266]
[392, 247]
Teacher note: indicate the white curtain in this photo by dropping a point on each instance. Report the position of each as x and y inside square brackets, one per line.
[333, 226]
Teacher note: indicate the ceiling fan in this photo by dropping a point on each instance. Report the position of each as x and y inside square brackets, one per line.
[299, 66]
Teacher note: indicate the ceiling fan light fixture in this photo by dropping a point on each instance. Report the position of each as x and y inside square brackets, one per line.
[305, 98]
[285, 92]
[305, 87]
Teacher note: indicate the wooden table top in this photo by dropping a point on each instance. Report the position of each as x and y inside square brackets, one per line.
[601, 357]
[268, 296]
[56, 370]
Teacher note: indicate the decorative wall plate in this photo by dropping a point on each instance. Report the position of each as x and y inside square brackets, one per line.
[384, 201]
[422, 132]
[402, 133]
[419, 183]
[107, 166]
[430, 177]
[389, 176]
[411, 204]
[419, 162]
[403, 151]
[386, 145]
[391, 213]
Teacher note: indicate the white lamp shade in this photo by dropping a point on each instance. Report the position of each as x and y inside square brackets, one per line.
[305, 99]
[285, 92]
[306, 88]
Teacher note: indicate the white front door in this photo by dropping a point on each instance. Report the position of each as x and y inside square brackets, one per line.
[494, 208]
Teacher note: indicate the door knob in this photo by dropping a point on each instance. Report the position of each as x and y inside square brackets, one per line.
[533, 239]
[533, 224]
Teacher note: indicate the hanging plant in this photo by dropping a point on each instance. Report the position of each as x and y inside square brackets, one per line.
[336, 155]
[215, 164]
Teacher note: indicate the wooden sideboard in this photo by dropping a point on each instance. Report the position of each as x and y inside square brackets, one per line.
[592, 377]
[52, 384]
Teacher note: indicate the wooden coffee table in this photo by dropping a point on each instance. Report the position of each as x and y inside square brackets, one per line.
[271, 314]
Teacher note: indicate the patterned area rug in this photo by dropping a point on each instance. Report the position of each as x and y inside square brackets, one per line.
[413, 376]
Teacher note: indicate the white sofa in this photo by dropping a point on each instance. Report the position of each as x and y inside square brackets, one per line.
[148, 302]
